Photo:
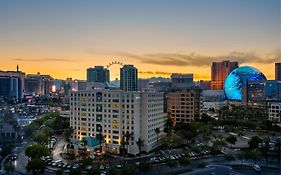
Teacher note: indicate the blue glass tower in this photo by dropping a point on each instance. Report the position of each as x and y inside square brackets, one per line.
[238, 78]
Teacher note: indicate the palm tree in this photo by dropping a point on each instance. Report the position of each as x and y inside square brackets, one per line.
[266, 148]
[140, 143]
[278, 145]
[157, 131]
[100, 137]
[84, 143]
[128, 136]
[9, 168]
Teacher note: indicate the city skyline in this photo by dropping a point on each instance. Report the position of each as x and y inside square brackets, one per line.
[185, 35]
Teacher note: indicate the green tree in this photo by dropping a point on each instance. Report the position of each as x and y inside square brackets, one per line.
[84, 143]
[278, 146]
[94, 171]
[254, 142]
[100, 137]
[172, 163]
[37, 166]
[67, 134]
[87, 161]
[9, 167]
[40, 137]
[75, 172]
[128, 170]
[252, 154]
[36, 151]
[145, 167]
[218, 144]
[168, 124]
[7, 150]
[112, 171]
[266, 148]
[184, 161]
[157, 131]
[59, 172]
[140, 144]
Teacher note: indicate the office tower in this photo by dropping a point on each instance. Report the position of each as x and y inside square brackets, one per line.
[98, 74]
[37, 84]
[183, 105]
[278, 71]
[129, 78]
[219, 72]
[18, 74]
[113, 113]
[259, 93]
[181, 80]
[10, 87]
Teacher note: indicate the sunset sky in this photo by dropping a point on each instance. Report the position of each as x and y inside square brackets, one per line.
[63, 38]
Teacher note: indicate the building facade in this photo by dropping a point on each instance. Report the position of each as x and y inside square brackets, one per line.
[113, 113]
[37, 84]
[183, 105]
[278, 71]
[274, 111]
[17, 74]
[98, 74]
[181, 80]
[11, 87]
[129, 78]
[219, 72]
[259, 93]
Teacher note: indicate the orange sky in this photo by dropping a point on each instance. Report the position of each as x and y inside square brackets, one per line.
[64, 38]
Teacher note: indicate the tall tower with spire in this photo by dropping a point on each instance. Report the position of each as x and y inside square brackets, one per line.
[17, 68]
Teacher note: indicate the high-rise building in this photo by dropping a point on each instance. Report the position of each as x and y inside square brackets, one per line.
[181, 80]
[10, 87]
[278, 71]
[129, 78]
[259, 93]
[183, 105]
[98, 74]
[219, 72]
[37, 84]
[18, 74]
[113, 113]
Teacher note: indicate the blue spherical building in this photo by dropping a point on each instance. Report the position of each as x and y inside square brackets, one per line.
[237, 79]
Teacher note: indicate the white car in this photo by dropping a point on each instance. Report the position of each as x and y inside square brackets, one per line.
[101, 167]
[118, 165]
[256, 167]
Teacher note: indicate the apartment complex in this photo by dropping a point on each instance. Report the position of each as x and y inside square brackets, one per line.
[113, 113]
[183, 105]
[274, 111]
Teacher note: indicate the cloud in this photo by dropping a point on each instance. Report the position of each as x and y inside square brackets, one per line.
[154, 73]
[43, 60]
[194, 59]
